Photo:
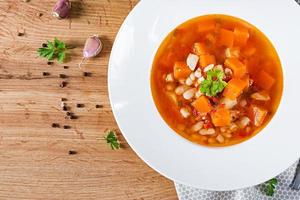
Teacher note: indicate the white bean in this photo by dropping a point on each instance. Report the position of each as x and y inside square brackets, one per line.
[180, 90]
[189, 94]
[209, 67]
[243, 122]
[220, 138]
[185, 112]
[233, 126]
[198, 73]
[243, 103]
[198, 94]
[192, 61]
[219, 67]
[223, 129]
[200, 80]
[228, 72]
[209, 131]
[189, 81]
[261, 96]
[192, 76]
[229, 104]
[197, 127]
[170, 78]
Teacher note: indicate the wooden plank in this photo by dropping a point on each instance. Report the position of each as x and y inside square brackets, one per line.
[34, 159]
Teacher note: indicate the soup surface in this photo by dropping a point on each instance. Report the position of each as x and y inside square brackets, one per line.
[216, 80]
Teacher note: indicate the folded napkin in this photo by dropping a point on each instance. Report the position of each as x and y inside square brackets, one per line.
[283, 191]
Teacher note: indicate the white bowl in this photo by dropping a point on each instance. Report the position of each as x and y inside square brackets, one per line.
[252, 162]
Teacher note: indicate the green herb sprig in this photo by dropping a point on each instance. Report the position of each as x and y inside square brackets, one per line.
[56, 49]
[112, 140]
[213, 84]
[270, 186]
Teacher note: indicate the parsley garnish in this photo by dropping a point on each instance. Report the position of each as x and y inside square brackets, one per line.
[270, 187]
[112, 139]
[56, 49]
[213, 84]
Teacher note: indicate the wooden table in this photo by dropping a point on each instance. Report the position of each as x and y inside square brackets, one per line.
[34, 157]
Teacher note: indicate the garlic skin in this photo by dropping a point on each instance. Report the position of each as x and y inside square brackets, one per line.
[93, 46]
[61, 9]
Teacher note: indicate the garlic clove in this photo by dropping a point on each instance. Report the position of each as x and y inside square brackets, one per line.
[61, 9]
[93, 46]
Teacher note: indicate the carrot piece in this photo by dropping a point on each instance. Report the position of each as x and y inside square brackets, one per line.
[181, 70]
[200, 49]
[249, 50]
[226, 38]
[257, 115]
[239, 69]
[264, 80]
[207, 26]
[202, 105]
[206, 60]
[241, 36]
[235, 88]
[221, 117]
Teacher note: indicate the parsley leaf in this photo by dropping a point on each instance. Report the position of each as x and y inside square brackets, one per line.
[213, 84]
[112, 140]
[56, 49]
[270, 187]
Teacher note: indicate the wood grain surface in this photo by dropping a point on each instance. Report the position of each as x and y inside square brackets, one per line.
[34, 157]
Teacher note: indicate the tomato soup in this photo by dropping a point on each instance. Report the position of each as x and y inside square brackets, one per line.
[216, 80]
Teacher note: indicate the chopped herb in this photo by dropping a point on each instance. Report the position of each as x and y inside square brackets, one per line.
[112, 140]
[56, 49]
[270, 187]
[72, 152]
[213, 84]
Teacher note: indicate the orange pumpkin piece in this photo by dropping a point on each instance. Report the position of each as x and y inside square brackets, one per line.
[207, 26]
[200, 49]
[202, 105]
[226, 38]
[249, 51]
[264, 80]
[238, 68]
[241, 36]
[181, 70]
[221, 117]
[235, 87]
[206, 60]
[257, 115]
